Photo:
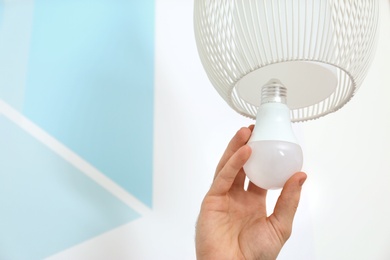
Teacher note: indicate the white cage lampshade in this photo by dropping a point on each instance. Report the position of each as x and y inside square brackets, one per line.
[319, 49]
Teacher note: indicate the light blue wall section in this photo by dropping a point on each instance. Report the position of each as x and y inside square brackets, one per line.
[46, 205]
[82, 71]
[90, 84]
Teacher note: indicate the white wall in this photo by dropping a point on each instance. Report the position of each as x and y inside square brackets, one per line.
[344, 212]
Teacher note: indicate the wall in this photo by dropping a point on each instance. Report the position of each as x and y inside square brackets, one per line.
[71, 184]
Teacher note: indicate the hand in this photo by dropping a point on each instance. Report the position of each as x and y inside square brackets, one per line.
[233, 222]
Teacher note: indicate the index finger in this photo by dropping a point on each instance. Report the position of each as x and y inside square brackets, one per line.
[225, 178]
[239, 140]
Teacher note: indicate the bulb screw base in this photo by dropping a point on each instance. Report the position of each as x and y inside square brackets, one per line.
[274, 92]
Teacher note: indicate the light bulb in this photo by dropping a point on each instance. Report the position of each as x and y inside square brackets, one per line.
[276, 154]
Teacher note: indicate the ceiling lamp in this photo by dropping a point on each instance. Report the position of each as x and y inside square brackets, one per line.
[311, 56]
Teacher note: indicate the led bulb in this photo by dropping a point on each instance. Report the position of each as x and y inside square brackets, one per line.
[276, 154]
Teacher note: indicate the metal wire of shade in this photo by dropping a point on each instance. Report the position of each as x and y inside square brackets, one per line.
[237, 37]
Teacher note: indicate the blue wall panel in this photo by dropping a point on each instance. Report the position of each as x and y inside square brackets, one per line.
[90, 84]
[46, 205]
[88, 81]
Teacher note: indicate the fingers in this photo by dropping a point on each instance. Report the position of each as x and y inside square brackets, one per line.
[257, 190]
[287, 204]
[226, 176]
[240, 180]
[240, 139]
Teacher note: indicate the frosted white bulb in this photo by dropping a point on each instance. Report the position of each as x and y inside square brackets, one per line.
[276, 154]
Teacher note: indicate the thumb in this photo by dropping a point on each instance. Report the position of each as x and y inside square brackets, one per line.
[287, 204]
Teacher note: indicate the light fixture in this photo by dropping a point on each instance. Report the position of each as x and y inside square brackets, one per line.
[318, 51]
